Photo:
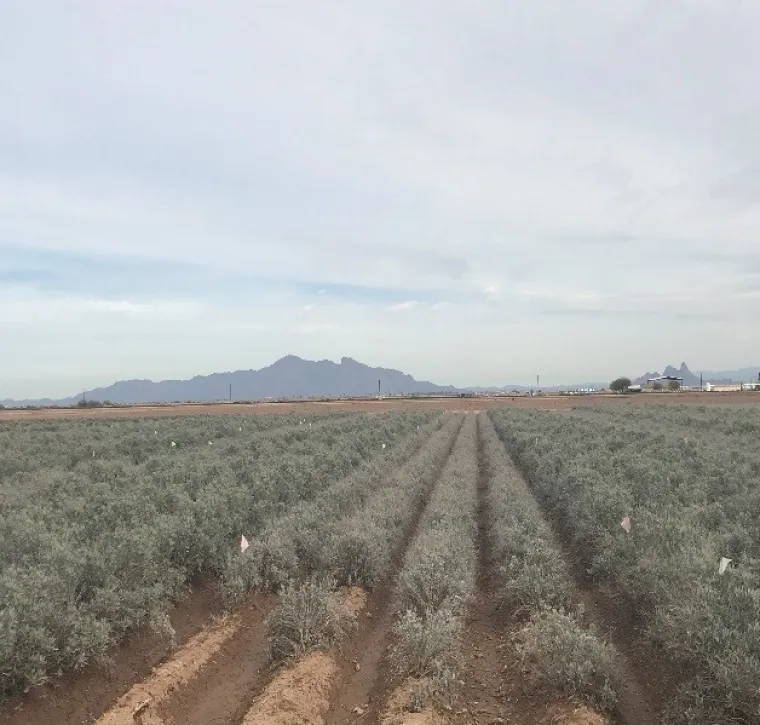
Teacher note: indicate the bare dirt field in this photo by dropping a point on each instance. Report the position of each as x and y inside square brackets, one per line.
[542, 402]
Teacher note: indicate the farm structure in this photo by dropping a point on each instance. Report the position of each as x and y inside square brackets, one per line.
[406, 566]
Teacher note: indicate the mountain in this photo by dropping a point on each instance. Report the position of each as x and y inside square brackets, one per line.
[290, 377]
[691, 379]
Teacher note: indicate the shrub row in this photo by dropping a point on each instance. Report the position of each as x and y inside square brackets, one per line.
[438, 575]
[347, 530]
[556, 647]
[86, 554]
[33, 445]
[689, 506]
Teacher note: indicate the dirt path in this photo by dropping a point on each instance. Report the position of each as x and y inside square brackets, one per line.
[365, 679]
[650, 681]
[223, 691]
[484, 693]
[84, 697]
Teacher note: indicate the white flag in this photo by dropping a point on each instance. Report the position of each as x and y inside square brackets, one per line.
[724, 562]
[626, 524]
[383, 446]
[243, 544]
[174, 445]
[210, 443]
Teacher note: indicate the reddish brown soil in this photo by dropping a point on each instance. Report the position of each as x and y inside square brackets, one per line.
[300, 695]
[545, 402]
[226, 687]
[84, 697]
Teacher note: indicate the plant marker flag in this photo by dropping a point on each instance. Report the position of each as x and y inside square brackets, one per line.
[174, 445]
[724, 562]
[626, 524]
[243, 544]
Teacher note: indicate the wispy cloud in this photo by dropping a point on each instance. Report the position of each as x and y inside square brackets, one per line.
[514, 169]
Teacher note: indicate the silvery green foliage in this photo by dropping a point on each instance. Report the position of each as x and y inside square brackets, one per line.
[558, 650]
[531, 570]
[428, 646]
[308, 617]
[303, 541]
[438, 574]
[558, 653]
[358, 548]
[688, 477]
[92, 547]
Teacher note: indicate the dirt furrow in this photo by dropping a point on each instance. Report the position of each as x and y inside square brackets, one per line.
[223, 690]
[641, 695]
[363, 683]
[483, 694]
[83, 697]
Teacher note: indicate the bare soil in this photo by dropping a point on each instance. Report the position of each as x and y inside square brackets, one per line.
[476, 404]
[299, 695]
[222, 692]
[397, 712]
[83, 697]
[145, 698]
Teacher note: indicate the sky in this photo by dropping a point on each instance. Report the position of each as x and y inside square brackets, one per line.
[475, 193]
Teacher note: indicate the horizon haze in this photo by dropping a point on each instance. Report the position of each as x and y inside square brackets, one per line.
[473, 195]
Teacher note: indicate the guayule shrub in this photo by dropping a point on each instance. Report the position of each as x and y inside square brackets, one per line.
[556, 651]
[92, 546]
[438, 574]
[688, 479]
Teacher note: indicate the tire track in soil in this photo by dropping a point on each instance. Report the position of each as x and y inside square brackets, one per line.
[365, 679]
[224, 690]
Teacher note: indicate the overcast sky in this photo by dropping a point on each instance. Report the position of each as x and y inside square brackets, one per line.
[472, 192]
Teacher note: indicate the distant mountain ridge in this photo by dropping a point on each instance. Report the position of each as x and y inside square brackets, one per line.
[289, 377]
[691, 379]
[294, 377]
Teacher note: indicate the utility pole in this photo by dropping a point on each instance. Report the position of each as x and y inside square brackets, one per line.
[538, 383]
[230, 392]
[378, 388]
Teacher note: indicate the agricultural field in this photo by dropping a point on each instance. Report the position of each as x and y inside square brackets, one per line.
[421, 566]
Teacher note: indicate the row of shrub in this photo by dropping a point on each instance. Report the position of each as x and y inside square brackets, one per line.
[348, 537]
[349, 530]
[689, 505]
[557, 648]
[438, 577]
[87, 554]
[29, 446]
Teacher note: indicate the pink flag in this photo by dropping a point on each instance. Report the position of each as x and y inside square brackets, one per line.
[243, 543]
[626, 524]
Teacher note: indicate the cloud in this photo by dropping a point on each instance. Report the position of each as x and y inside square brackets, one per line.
[510, 167]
